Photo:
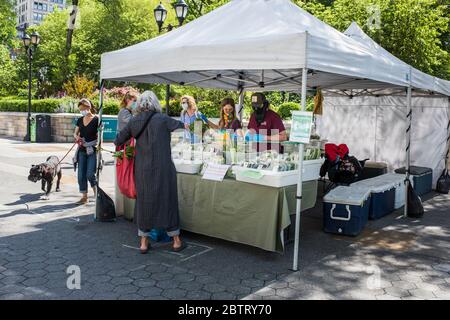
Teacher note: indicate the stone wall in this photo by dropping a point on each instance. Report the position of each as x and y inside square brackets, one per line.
[14, 124]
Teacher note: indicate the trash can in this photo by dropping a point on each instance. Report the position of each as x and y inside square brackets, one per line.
[43, 129]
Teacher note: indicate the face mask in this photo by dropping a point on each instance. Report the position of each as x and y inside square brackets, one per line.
[185, 106]
[133, 106]
[84, 112]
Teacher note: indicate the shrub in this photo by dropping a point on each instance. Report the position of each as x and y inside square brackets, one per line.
[111, 107]
[174, 107]
[209, 109]
[79, 87]
[39, 106]
[284, 110]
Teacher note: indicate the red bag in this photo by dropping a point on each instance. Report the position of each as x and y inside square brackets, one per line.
[125, 173]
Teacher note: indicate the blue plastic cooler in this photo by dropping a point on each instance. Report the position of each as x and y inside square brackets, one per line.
[422, 179]
[383, 189]
[346, 210]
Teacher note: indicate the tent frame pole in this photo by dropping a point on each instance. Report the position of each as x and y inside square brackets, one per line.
[301, 148]
[408, 145]
[100, 138]
[240, 110]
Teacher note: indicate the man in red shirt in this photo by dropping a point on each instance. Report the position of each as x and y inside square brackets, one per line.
[265, 125]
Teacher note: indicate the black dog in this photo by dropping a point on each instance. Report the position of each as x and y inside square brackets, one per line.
[46, 172]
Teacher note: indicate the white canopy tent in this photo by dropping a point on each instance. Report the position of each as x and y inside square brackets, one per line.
[380, 115]
[258, 45]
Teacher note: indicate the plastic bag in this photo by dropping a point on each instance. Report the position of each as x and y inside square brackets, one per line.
[125, 173]
[415, 207]
[443, 184]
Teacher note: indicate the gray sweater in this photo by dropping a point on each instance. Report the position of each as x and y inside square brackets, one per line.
[123, 118]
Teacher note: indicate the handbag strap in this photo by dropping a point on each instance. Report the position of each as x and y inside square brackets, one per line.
[145, 125]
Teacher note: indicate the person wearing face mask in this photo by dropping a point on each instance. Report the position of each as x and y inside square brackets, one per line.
[189, 115]
[228, 119]
[265, 125]
[86, 155]
[127, 106]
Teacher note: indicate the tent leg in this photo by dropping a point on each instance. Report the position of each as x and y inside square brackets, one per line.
[300, 178]
[100, 139]
[408, 146]
[167, 98]
[241, 105]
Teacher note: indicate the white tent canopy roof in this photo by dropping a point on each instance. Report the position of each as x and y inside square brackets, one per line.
[256, 45]
[419, 79]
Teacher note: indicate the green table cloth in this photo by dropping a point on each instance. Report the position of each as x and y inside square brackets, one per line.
[237, 211]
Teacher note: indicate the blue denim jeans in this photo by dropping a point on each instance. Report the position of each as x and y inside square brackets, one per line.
[87, 165]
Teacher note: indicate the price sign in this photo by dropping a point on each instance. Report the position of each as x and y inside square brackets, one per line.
[301, 126]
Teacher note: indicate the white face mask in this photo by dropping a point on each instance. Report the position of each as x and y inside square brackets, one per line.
[84, 112]
[185, 106]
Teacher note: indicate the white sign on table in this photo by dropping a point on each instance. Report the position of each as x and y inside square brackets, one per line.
[216, 172]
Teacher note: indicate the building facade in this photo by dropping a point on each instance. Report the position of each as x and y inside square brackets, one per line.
[32, 12]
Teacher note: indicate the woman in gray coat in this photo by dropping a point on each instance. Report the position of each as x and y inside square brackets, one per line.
[155, 174]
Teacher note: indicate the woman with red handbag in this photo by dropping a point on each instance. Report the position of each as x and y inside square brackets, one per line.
[154, 171]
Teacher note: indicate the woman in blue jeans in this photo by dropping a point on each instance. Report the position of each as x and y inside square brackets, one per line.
[86, 156]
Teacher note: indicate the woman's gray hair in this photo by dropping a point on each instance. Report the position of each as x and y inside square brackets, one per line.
[148, 101]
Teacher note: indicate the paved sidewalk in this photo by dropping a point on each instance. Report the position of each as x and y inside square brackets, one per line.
[395, 258]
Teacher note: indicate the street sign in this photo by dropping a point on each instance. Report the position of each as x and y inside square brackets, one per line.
[301, 126]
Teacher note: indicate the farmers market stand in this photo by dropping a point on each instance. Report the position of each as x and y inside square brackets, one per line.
[276, 46]
[241, 212]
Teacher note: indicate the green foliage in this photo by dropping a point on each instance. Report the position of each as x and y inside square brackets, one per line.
[412, 30]
[8, 73]
[416, 31]
[40, 106]
[209, 109]
[79, 87]
[285, 109]
[111, 107]
[7, 23]
[174, 107]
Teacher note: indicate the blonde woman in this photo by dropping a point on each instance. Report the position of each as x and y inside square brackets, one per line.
[190, 114]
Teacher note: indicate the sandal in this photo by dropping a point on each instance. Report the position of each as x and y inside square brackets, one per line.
[180, 248]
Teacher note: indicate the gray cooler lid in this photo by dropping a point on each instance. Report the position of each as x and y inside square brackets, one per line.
[414, 170]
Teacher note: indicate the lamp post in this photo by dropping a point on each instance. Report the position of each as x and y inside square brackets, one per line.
[160, 13]
[30, 44]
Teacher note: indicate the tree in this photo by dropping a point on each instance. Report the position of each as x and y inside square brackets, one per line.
[7, 23]
[409, 29]
[8, 73]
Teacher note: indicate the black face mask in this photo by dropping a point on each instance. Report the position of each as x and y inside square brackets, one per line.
[260, 114]
[259, 106]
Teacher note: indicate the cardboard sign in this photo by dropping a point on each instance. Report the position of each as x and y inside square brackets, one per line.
[301, 126]
[215, 172]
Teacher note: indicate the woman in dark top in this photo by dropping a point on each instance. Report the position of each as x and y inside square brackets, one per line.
[86, 156]
[155, 175]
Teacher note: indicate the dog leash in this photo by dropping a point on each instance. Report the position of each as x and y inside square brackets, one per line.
[67, 154]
